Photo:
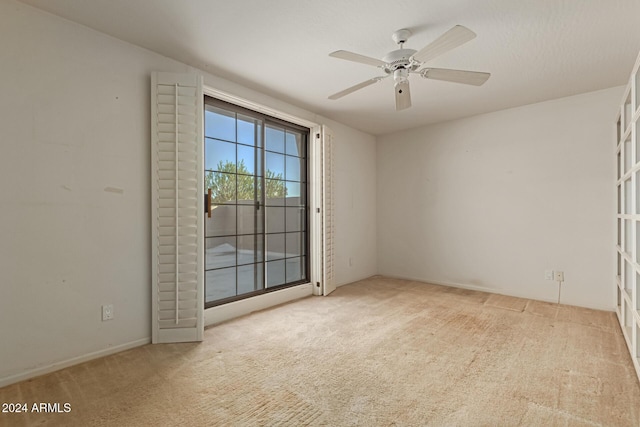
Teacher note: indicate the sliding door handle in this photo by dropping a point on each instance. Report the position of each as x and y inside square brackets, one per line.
[209, 203]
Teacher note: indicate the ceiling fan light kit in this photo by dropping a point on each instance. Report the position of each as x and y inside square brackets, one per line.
[402, 62]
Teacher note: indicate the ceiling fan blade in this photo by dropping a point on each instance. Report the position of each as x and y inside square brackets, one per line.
[355, 57]
[355, 88]
[453, 38]
[457, 76]
[403, 96]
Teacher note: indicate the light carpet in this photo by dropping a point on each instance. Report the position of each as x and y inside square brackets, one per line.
[379, 352]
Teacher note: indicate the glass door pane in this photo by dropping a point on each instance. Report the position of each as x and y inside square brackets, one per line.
[286, 213]
[234, 241]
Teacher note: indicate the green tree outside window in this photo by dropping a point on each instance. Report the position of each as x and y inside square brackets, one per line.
[223, 184]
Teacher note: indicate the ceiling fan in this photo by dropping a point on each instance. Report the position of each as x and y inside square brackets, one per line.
[401, 62]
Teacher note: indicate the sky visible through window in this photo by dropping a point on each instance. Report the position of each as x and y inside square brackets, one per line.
[284, 149]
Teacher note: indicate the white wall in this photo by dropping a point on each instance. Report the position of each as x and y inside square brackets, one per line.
[490, 202]
[75, 190]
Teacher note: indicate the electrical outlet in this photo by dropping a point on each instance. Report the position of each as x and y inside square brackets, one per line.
[559, 276]
[548, 275]
[107, 312]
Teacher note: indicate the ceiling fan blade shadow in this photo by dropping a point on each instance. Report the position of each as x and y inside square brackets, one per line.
[474, 78]
[356, 57]
[403, 96]
[355, 88]
[453, 38]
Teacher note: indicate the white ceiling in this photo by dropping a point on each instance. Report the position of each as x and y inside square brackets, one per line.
[535, 49]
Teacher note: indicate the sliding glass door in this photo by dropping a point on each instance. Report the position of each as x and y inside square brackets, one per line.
[257, 215]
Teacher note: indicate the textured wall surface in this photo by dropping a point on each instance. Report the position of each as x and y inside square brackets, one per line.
[493, 201]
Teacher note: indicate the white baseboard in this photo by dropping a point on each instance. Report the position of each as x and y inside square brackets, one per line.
[481, 289]
[235, 309]
[70, 362]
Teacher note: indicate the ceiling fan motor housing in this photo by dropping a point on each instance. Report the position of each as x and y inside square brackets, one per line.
[400, 59]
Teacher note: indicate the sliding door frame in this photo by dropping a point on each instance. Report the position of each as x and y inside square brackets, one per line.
[240, 307]
[262, 200]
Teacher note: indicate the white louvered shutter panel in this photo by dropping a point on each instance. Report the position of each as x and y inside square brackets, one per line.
[328, 214]
[177, 207]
